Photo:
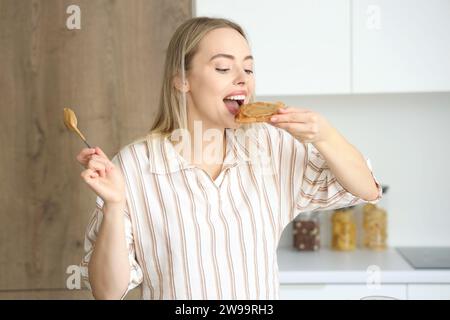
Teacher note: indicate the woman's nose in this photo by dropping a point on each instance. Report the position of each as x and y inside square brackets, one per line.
[241, 77]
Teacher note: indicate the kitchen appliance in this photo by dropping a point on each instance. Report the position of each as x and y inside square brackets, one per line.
[426, 257]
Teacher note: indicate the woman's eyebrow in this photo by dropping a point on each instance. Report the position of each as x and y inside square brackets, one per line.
[228, 56]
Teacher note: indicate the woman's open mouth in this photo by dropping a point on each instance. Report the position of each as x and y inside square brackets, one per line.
[232, 103]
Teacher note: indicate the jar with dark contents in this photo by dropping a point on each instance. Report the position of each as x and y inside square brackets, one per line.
[307, 232]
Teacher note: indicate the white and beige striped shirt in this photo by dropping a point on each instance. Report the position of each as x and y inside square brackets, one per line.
[190, 237]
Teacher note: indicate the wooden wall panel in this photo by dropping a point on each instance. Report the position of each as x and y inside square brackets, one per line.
[58, 294]
[109, 72]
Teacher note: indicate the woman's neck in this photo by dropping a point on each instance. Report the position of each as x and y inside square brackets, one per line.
[208, 144]
[201, 145]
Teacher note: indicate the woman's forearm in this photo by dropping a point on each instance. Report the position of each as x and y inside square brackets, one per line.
[348, 165]
[109, 269]
[344, 160]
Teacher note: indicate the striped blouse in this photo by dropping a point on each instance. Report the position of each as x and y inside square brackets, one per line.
[191, 237]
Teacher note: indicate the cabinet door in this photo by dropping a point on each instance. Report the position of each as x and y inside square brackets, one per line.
[340, 292]
[300, 47]
[401, 45]
[429, 291]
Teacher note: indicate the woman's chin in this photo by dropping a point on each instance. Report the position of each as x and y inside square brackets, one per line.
[233, 124]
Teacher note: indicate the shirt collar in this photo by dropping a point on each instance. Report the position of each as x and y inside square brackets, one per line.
[164, 158]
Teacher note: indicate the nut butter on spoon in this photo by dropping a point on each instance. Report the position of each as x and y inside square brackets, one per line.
[70, 120]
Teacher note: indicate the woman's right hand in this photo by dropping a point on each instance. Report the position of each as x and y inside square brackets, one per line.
[102, 176]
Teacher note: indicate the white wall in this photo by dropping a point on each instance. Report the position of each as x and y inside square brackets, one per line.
[407, 138]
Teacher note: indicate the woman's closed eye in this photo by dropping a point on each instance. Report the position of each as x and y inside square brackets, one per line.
[222, 70]
[248, 71]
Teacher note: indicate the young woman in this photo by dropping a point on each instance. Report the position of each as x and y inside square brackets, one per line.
[207, 226]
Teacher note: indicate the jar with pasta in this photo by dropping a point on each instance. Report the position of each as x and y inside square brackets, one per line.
[375, 224]
[343, 230]
[307, 232]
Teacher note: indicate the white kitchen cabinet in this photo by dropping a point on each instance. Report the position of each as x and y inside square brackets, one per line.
[328, 274]
[429, 291]
[401, 46]
[342, 46]
[341, 291]
[300, 47]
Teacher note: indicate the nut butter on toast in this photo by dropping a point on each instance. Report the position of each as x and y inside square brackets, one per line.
[258, 111]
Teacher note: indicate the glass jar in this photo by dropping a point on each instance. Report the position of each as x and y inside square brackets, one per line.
[343, 230]
[307, 232]
[375, 223]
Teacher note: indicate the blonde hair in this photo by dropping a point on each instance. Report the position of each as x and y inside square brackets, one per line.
[172, 112]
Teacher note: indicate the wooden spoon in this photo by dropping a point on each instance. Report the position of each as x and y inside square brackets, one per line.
[70, 120]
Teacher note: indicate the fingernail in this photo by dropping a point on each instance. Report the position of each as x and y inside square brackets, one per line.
[273, 119]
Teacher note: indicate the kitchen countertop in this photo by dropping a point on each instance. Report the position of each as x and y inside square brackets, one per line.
[328, 266]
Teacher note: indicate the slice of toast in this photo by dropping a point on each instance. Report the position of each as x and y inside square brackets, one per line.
[257, 111]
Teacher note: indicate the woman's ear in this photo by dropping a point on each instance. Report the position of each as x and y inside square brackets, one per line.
[183, 87]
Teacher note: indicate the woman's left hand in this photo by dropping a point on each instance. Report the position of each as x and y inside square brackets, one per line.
[305, 125]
